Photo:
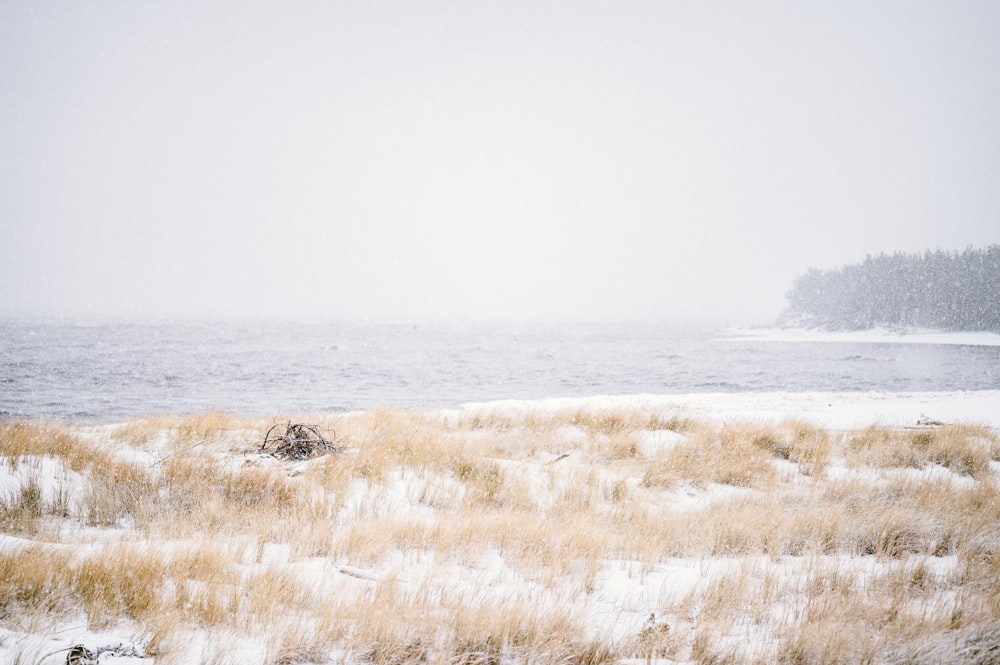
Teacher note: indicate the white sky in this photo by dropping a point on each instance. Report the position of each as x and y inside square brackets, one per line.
[473, 160]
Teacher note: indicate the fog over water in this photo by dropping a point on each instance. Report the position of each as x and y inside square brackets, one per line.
[442, 161]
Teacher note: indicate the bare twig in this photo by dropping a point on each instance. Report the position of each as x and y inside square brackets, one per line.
[183, 450]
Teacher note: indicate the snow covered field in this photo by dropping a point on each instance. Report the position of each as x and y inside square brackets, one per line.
[743, 528]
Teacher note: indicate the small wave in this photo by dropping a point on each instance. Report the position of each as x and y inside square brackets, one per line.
[723, 386]
[866, 359]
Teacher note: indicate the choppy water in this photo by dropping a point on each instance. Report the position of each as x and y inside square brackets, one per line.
[112, 370]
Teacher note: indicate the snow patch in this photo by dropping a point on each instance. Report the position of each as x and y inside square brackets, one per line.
[832, 410]
[658, 442]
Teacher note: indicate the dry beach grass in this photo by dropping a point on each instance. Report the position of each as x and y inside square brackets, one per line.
[490, 536]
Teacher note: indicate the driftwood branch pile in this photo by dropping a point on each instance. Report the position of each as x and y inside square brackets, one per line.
[300, 441]
[81, 655]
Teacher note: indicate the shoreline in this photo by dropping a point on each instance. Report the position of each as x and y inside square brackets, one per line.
[830, 410]
[834, 410]
[866, 336]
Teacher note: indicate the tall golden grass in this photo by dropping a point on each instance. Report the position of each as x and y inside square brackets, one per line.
[815, 547]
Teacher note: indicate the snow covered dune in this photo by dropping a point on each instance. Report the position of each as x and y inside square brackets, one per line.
[813, 527]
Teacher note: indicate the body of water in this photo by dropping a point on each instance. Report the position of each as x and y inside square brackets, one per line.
[114, 370]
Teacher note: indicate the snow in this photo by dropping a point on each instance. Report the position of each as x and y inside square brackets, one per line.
[658, 442]
[833, 410]
[46, 472]
[871, 336]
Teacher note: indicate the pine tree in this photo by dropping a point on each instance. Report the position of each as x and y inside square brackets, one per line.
[943, 290]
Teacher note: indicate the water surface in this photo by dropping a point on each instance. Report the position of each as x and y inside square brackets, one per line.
[112, 370]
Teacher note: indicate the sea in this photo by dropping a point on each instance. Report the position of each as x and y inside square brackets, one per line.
[100, 371]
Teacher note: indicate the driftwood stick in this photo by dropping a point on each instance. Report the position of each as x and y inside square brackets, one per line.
[183, 450]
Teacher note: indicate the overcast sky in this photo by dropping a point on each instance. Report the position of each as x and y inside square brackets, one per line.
[483, 160]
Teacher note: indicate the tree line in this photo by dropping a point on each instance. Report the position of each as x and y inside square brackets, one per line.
[939, 289]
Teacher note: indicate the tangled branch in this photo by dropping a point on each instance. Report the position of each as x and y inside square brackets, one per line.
[300, 441]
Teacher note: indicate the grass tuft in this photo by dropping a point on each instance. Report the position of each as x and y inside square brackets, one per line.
[729, 457]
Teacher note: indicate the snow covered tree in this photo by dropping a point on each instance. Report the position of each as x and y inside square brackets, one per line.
[943, 290]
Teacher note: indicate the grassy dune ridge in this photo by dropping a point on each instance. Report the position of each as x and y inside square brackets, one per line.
[479, 537]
